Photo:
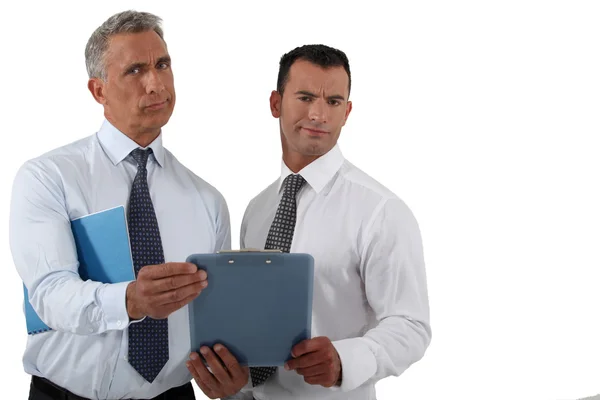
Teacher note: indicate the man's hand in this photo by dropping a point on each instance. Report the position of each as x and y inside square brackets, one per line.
[162, 289]
[227, 377]
[318, 361]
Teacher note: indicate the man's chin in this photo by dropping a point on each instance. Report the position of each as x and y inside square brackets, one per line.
[314, 149]
[157, 121]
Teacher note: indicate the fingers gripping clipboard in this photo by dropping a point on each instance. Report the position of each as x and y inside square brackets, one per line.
[258, 304]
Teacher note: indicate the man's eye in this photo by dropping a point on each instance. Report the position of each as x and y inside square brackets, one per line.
[134, 71]
[334, 102]
[305, 98]
[163, 65]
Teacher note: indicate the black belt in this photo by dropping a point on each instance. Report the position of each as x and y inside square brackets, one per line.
[58, 393]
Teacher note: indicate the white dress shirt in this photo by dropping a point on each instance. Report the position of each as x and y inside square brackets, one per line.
[86, 352]
[370, 291]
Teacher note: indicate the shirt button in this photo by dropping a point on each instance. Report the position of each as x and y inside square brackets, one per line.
[118, 323]
[91, 330]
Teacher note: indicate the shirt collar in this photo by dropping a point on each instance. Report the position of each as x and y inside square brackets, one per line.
[118, 146]
[319, 172]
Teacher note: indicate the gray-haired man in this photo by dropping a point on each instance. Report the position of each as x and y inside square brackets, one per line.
[130, 339]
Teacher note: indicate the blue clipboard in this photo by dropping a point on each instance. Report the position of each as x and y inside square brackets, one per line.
[258, 304]
[103, 251]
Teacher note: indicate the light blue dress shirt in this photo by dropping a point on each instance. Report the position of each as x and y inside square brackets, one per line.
[86, 352]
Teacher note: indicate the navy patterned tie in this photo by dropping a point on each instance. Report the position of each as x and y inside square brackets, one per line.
[148, 339]
[280, 237]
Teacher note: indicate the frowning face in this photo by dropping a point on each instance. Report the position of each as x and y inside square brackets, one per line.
[139, 93]
[313, 108]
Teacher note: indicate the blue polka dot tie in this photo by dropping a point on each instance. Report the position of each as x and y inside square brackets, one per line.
[280, 237]
[148, 339]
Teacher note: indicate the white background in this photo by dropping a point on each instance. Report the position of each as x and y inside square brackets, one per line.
[482, 116]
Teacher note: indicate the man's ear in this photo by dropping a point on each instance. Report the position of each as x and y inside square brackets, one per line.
[275, 102]
[348, 109]
[96, 87]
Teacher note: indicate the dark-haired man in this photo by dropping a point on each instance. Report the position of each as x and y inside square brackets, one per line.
[370, 306]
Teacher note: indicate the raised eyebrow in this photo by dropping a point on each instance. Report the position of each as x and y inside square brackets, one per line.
[310, 94]
[135, 65]
[164, 59]
[305, 93]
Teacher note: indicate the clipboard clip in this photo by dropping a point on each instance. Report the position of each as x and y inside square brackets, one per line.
[249, 250]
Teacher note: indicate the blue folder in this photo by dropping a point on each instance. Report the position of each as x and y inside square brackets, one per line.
[258, 304]
[103, 251]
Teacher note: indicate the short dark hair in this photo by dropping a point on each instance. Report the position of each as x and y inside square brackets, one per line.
[318, 54]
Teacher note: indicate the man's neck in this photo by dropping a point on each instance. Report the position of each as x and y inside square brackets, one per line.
[142, 138]
[296, 162]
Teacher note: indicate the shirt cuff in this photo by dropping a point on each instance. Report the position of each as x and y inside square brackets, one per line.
[112, 299]
[245, 393]
[358, 362]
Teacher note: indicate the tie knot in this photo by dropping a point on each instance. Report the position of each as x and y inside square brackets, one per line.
[141, 156]
[292, 184]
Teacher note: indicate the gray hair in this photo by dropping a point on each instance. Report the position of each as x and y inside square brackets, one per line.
[124, 22]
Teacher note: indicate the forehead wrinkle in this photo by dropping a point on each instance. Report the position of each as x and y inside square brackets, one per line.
[123, 52]
[322, 83]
